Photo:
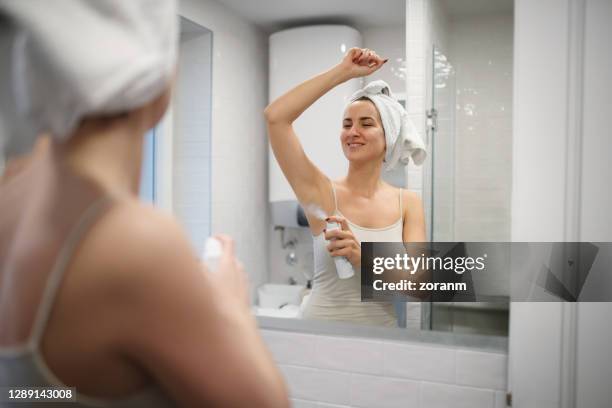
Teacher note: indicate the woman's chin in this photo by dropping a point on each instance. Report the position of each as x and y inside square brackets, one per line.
[359, 158]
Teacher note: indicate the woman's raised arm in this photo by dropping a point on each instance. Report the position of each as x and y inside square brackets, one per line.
[307, 181]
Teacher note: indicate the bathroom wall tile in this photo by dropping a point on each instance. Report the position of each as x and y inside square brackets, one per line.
[191, 142]
[382, 392]
[479, 369]
[415, 179]
[413, 324]
[419, 362]
[324, 405]
[415, 86]
[298, 403]
[291, 348]
[413, 310]
[389, 42]
[415, 50]
[433, 395]
[415, 10]
[349, 354]
[482, 54]
[318, 385]
[414, 104]
[500, 399]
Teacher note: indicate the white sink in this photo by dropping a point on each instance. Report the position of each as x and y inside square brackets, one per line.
[287, 312]
[277, 296]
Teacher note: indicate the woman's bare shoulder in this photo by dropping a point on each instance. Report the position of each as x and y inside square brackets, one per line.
[414, 217]
[134, 244]
[411, 197]
[135, 227]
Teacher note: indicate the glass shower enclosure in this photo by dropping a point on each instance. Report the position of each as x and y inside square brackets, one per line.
[440, 196]
[439, 183]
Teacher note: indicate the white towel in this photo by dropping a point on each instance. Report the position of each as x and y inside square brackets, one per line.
[66, 59]
[402, 139]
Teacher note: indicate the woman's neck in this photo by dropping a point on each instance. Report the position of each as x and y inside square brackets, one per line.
[364, 179]
[107, 150]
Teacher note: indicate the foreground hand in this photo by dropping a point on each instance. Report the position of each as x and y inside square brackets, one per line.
[229, 277]
[343, 242]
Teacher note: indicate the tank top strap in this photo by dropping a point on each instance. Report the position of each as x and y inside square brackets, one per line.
[333, 188]
[65, 255]
[401, 204]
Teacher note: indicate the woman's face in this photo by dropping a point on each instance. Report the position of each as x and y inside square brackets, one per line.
[362, 137]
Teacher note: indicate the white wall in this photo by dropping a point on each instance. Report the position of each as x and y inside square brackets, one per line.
[471, 190]
[561, 192]
[190, 150]
[442, 150]
[388, 42]
[239, 142]
[418, 47]
[328, 371]
[594, 331]
[481, 52]
[596, 204]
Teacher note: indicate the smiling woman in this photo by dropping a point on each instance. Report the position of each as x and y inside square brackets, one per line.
[372, 138]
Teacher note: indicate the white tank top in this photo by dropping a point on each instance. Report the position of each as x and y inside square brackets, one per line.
[332, 298]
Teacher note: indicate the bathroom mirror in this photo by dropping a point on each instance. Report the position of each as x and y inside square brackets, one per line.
[176, 174]
[450, 65]
[452, 69]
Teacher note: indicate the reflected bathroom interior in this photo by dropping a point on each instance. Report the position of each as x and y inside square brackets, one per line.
[463, 110]
[464, 107]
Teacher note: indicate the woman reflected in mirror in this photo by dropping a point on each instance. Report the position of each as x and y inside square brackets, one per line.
[365, 207]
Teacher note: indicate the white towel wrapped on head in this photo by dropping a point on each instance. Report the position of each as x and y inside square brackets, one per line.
[63, 60]
[402, 139]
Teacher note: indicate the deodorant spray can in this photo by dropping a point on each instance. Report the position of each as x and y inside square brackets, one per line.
[343, 266]
[212, 253]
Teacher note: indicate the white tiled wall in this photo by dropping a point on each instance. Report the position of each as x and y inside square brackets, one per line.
[239, 142]
[481, 51]
[191, 137]
[549, 35]
[428, 26]
[388, 42]
[330, 371]
[416, 54]
[444, 141]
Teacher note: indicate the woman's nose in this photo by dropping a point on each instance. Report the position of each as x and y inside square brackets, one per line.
[353, 131]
